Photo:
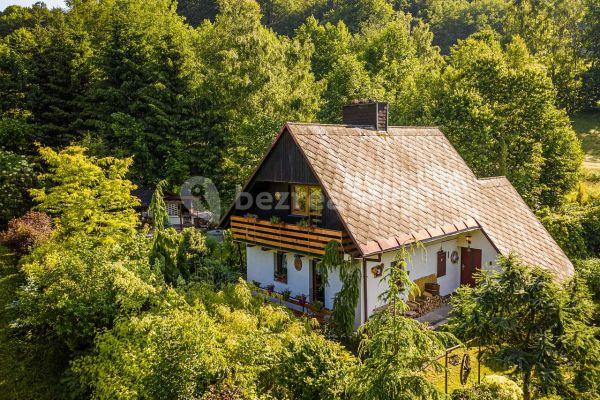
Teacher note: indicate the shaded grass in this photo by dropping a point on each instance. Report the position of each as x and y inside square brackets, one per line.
[438, 378]
[587, 127]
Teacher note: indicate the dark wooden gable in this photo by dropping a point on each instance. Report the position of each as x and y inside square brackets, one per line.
[286, 163]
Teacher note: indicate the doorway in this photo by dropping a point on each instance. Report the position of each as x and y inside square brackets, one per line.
[470, 262]
[318, 287]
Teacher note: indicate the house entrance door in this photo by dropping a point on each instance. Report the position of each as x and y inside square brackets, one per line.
[318, 288]
[470, 262]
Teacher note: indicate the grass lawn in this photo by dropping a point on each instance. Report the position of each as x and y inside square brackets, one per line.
[587, 127]
[438, 378]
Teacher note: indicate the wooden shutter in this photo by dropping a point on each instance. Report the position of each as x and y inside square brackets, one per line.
[441, 263]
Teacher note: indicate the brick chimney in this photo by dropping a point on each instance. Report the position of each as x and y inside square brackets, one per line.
[372, 114]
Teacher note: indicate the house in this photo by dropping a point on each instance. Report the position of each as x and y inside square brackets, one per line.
[375, 188]
[180, 211]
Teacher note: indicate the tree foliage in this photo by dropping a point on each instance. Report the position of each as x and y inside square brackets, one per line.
[87, 194]
[18, 175]
[497, 100]
[395, 350]
[531, 326]
[254, 81]
[182, 350]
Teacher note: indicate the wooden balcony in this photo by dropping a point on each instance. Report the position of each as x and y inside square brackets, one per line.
[283, 236]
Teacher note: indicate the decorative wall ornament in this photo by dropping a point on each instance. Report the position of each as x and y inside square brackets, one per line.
[377, 270]
[454, 257]
[298, 263]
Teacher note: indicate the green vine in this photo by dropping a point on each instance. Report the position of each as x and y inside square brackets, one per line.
[346, 300]
[398, 282]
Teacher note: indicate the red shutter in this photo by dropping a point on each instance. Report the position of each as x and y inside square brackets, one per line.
[441, 263]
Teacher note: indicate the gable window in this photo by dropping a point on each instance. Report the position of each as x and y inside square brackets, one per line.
[173, 209]
[307, 200]
[441, 263]
[281, 272]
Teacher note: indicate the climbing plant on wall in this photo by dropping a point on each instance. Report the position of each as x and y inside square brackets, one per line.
[346, 300]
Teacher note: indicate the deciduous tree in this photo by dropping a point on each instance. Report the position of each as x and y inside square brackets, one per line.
[497, 106]
[87, 195]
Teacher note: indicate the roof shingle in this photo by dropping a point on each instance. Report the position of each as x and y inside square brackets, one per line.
[411, 182]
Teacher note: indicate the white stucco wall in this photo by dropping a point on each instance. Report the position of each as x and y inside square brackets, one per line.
[261, 267]
[424, 262]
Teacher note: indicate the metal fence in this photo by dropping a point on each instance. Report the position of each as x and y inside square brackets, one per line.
[462, 366]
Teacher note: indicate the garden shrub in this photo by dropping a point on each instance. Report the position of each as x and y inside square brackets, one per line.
[25, 232]
[17, 175]
[493, 387]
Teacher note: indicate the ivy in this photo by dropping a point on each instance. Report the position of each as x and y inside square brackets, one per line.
[346, 300]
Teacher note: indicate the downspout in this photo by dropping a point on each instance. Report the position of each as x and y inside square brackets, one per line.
[365, 297]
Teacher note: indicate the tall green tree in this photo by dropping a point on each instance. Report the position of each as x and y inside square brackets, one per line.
[404, 65]
[254, 80]
[497, 106]
[14, 17]
[591, 45]
[45, 69]
[87, 195]
[534, 327]
[142, 103]
[18, 175]
[454, 20]
[357, 14]
[552, 31]
[396, 350]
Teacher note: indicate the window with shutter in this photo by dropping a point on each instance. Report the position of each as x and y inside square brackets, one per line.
[441, 263]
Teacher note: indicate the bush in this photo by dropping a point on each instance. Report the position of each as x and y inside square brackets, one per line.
[575, 227]
[227, 345]
[493, 387]
[16, 177]
[25, 232]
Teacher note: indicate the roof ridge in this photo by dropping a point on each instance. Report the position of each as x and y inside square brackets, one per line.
[363, 126]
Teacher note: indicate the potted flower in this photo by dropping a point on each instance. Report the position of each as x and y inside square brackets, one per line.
[302, 301]
[270, 289]
[278, 297]
[303, 223]
[317, 305]
[251, 216]
[286, 294]
[275, 220]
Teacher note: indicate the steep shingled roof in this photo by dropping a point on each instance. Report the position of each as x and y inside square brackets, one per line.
[409, 183]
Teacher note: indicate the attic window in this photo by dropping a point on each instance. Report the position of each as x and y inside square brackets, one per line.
[173, 209]
[307, 200]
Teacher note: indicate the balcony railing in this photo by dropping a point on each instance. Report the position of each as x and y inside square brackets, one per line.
[284, 236]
